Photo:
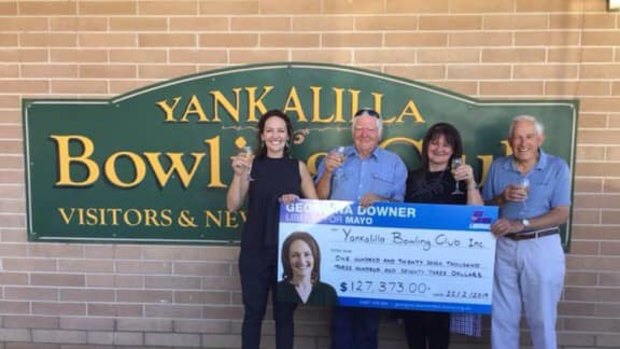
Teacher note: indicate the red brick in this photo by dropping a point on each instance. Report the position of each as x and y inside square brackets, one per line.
[8, 8]
[224, 312]
[13, 279]
[592, 263]
[47, 8]
[58, 336]
[38, 322]
[374, 22]
[22, 55]
[610, 279]
[79, 55]
[90, 324]
[108, 8]
[107, 71]
[198, 24]
[201, 297]
[611, 248]
[11, 307]
[415, 39]
[145, 24]
[24, 86]
[352, 7]
[144, 325]
[303, 7]
[69, 280]
[547, 6]
[168, 8]
[547, 38]
[31, 293]
[202, 326]
[85, 295]
[116, 310]
[257, 56]
[144, 296]
[583, 324]
[576, 309]
[417, 6]
[173, 311]
[198, 56]
[175, 339]
[108, 40]
[450, 55]
[45, 39]
[55, 250]
[477, 6]
[294, 40]
[79, 86]
[21, 24]
[227, 7]
[515, 21]
[49, 71]
[172, 282]
[143, 267]
[447, 22]
[87, 266]
[202, 269]
[81, 23]
[327, 23]
[386, 55]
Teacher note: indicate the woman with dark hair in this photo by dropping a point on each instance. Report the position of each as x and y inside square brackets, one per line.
[438, 181]
[301, 261]
[268, 179]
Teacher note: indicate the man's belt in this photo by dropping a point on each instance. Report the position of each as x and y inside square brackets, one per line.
[534, 234]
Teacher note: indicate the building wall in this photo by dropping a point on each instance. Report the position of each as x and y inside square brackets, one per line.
[85, 295]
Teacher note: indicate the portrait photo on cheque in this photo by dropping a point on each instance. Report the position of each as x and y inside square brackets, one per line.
[301, 277]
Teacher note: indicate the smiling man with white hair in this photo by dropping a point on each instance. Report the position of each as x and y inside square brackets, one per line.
[532, 189]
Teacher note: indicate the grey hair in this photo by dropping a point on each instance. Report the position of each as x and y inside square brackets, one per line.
[540, 128]
[378, 120]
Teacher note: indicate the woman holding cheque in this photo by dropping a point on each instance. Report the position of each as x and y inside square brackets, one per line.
[267, 179]
[443, 178]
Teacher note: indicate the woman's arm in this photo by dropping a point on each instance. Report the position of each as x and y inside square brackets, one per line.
[307, 185]
[238, 188]
[466, 173]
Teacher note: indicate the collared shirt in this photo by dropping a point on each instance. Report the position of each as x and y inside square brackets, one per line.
[382, 173]
[549, 186]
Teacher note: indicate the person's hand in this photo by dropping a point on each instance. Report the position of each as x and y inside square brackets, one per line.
[288, 198]
[465, 173]
[514, 192]
[369, 199]
[505, 226]
[240, 164]
[332, 161]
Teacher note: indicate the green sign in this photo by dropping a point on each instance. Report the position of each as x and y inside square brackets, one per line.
[153, 165]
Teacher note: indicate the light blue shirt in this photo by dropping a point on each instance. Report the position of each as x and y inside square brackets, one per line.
[549, 186]
[382, 173]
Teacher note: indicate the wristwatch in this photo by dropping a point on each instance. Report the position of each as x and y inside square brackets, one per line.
[526, 223]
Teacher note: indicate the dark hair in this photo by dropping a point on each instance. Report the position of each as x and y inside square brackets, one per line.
[261, 150]
[452, 136]
[316, 255]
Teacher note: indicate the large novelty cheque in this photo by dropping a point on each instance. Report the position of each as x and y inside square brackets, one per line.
[399, 256]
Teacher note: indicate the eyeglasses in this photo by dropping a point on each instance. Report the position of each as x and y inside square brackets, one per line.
[367, 111]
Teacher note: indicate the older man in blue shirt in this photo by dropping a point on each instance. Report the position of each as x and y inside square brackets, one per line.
[366, 173]
[529, 260]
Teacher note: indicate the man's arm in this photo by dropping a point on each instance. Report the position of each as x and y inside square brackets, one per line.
[555, 217]
[325, 173]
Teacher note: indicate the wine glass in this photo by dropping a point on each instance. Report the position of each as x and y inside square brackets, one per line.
[340, 152]
[456, 163]
[524, 184]
[248, 153]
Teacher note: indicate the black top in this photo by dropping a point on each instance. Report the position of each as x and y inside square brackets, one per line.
[434, 188]
[272, 178]
[322, 294]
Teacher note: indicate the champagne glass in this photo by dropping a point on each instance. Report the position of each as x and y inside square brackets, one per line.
[340, 152]
[456, 163]
[524, 184]
[247, 152]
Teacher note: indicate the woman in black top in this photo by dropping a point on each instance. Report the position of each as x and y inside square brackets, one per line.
[267, 179]
[435, 183]
[301, 262]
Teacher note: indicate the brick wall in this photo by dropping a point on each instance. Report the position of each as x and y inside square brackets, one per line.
[86, 296]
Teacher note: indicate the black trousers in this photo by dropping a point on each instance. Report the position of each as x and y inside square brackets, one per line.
[425, 329]
[257, 269]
